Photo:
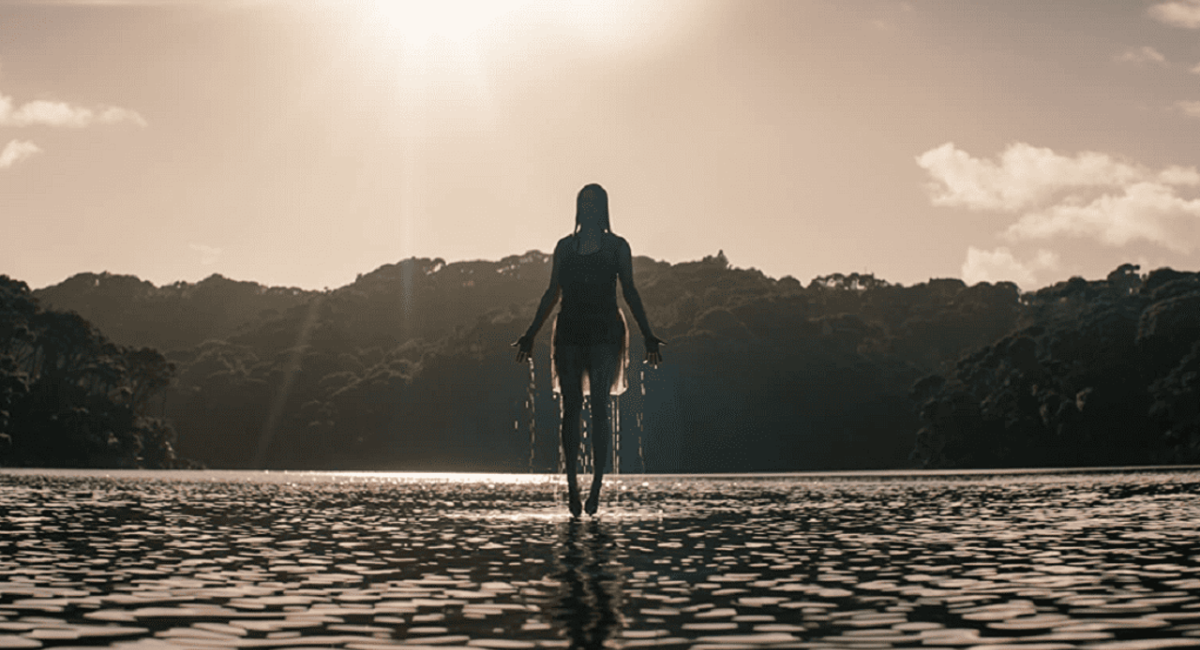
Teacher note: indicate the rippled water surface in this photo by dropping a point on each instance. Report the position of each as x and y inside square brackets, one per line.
[223, 560]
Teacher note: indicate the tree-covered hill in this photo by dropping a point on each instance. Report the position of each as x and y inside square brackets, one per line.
[70, 397]
[131, 311]
[410, 367]
[1103, 372]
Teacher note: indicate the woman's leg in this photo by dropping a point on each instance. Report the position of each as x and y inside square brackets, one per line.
[601, 372]
[568, 362]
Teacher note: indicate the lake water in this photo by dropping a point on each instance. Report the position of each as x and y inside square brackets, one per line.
[1028, 561]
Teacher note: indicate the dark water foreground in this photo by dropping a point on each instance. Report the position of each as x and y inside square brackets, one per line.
[243, 560]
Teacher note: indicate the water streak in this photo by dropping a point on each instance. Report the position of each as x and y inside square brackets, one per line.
[641, 450]
[584, 454]
[562, 461]
[641, 432]
[532, 406]
[615, 418]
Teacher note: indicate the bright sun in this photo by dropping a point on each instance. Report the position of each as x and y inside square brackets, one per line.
[418, 22]
[609, 24]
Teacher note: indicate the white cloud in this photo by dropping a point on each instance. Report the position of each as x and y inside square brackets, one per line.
[1185, 13]
[1147, 211]
[1144, 54]
[55, 114]
[1189, 108]
[116, 114]
[208, 254]
[1000, 265]
[16, 151]
[1177, 175]
[1090, 195]
[50, 113]
[1023, 176]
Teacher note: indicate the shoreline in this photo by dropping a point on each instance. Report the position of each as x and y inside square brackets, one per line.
[533, 478]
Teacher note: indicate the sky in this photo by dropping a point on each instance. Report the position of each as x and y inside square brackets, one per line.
[303, 142]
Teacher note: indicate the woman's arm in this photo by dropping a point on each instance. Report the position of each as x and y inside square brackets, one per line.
[524, 344]
[634, 300]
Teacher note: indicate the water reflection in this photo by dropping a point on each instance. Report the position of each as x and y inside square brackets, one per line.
[587, 606]
[139, 561]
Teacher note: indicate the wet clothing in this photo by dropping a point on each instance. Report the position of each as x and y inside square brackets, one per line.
[589, 328]
[599, 363]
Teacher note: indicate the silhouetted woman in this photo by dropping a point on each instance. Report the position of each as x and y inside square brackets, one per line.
[589, 340]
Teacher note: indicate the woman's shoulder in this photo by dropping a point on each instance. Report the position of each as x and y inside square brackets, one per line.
[610, 241]
[616, 241]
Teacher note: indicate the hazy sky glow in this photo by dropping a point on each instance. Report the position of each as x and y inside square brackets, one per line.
[299, 143]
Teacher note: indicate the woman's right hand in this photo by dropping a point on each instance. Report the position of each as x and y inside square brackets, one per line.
[524, 346]
[653, 355]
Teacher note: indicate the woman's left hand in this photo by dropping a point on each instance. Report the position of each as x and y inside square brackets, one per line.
[524, 346]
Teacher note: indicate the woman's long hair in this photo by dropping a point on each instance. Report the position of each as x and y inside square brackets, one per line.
[599, 191]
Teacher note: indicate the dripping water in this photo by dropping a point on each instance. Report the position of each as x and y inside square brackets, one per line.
[640, 432]
[531, 404]
[561, 466]
[615, 419]
[584, 456]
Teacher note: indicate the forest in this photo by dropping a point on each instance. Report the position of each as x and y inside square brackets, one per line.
[410, 368]
[70, 397]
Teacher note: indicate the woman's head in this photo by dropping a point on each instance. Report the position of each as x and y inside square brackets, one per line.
[592, 203]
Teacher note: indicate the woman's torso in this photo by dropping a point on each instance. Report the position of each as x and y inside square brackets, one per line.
[589, 312]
